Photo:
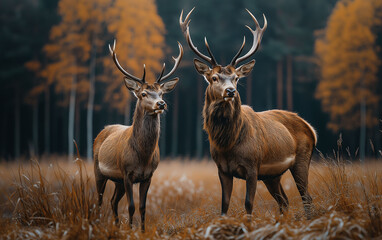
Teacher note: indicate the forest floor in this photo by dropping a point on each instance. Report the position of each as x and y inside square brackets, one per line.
[55, 199]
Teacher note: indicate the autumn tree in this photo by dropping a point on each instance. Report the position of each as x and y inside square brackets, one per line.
[78, 48]
[349, 63]
[139, 32]
[72, 52]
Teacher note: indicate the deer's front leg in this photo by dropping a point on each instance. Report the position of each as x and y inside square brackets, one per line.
[226, 182]
[143, 189]
[251, 184]
[129, 195]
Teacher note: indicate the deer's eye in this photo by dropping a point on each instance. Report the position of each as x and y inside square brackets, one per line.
[214, 78]
[143, 94]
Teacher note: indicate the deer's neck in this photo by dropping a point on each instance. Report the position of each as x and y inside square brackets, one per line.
[145, 134]
[223, 121]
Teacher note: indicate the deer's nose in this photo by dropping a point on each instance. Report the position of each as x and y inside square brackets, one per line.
[230, 92]
[161, 104]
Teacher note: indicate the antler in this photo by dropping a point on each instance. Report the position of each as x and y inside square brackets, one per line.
[184, 25]
[257, 36]
[176, 64]
[130, 76]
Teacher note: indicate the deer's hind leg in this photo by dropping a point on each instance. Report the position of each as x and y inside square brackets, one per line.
[100, 183]
[119, 191]
[300, 172]
[276, 190]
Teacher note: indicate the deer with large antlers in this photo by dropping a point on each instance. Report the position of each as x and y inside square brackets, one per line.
[130, 154]
[246, 144]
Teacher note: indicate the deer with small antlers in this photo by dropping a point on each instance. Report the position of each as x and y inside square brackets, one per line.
[246, 144]
[130, 154]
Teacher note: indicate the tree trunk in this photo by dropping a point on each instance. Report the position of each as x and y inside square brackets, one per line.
[47, 121]
[89, 115]
[199, 127]
[249, 90]
[17, 124]
[362, 137]
[127, 113]
[280, 84]
[72, 106]
[163, 140]
[77, 124]
[175, 117]
[377, 135]
[4, 130]
[35, 129]
[289, 83]
[269, 89]
[58, 130]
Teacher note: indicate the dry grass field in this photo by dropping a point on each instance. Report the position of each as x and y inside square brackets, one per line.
[55, 199]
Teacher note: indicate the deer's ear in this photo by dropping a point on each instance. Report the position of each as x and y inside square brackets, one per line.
[201, 67]
[169, 85]
[245, 69]
[132, 85]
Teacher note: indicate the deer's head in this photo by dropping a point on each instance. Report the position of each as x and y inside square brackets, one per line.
[149, 95]
[223, 80]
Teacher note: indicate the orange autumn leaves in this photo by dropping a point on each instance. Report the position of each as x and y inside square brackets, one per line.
[139, 31]
[85, 30]
[349, 63]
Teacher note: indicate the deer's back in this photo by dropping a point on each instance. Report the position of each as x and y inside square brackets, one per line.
[274, 138]
[301, 131]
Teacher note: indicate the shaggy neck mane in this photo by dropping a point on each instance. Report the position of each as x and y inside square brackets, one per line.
[223, 121]
[145, 134]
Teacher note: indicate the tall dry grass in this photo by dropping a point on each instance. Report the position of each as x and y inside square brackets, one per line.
[56, 199]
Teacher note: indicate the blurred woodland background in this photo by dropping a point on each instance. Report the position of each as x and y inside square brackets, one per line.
[319, 58]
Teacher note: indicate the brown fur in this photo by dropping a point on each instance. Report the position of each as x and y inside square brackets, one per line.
[246, 144]
[130, 154]
[255, 146]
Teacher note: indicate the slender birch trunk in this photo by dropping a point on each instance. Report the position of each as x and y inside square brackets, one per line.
[89, 116]
[175, 118]
[362, 138]
[72, 106]
[269, 90]
[249, 90]
[35, 129]
[47, 121]
[289, 83]
[162, 139]
[127, 114]
[17, 124]
[199, 133]
[280, 84]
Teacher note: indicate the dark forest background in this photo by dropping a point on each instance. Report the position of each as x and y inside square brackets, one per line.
[35, 116]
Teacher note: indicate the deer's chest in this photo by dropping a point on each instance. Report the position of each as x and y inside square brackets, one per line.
[233, 165]
[143, 171]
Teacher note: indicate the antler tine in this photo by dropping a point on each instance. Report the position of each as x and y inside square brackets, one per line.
[213, 60]
[184, 25]
[144, 73]
[238, 53]
[177, 61]
[132, 77]
[257, 36]
[161, 73]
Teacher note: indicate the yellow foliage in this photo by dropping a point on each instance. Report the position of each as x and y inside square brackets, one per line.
[86, 25]
[348, 59]
[140, 40]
